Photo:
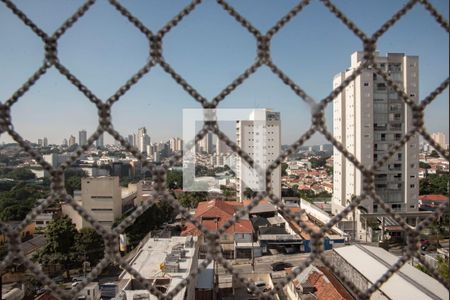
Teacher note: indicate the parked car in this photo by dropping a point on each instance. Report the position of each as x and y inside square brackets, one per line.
[261, 285]
[280, 266]
[77, 278]
[58, 279]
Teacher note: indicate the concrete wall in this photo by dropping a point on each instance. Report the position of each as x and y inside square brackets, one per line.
[352, 275]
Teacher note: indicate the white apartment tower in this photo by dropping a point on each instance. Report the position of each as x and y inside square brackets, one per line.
[143, 139]
[368, 118]
[260, 137]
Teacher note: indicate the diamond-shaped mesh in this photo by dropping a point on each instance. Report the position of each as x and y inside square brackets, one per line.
[160, 193]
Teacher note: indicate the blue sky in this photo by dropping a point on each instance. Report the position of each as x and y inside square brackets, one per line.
[209, 49]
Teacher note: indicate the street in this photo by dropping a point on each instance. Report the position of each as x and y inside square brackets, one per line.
[263, 264]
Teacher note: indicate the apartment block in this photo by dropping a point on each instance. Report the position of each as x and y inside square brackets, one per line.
[101, 197]
[368, 119]
[439, 138]
[260, 137]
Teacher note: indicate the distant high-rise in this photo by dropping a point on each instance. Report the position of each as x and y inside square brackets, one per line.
[179, 145]
[72, 141]
[82, 137]
[100, 143]
[45, 142]
[131, 139]
[439, 138]
[40, 142]
[64, 142]
[143, 139]
[221, 147]
[172, 144]
[206, 144]
[260, 137]
[175, 144]
[368, 118]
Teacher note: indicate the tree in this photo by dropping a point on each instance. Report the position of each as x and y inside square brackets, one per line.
[318, 162]
[249, 193]
[6, 185]
[227, 192]
[18, 174]
[60, 249]
[151, 219]
[72, 179]
[90, 244]
[284, 167]
[424, 165]
[330, 171]
[174, 179]
[19, 200]
[443, 267]
[434, 184]
[191, 199]
[434, 153]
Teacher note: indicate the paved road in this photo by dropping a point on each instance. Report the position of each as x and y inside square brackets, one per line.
[263, 264]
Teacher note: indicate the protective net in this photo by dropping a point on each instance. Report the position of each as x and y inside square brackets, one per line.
[159, 192]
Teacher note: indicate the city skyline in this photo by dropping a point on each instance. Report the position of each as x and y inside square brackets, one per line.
[209, 67]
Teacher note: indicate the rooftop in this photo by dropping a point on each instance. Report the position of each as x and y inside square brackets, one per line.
[407, 283]
[433, 198]
[214, 214]
[148, 262]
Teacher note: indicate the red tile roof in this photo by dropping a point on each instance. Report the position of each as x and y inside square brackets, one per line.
[325, 290]
[214, 214]
[433, 197]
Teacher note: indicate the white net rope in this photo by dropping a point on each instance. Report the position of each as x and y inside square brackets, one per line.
[159, 193]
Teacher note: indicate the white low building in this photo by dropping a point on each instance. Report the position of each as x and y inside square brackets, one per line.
[164, 262]
[42, 220]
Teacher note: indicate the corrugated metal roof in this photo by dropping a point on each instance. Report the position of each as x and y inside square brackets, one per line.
[408, 283]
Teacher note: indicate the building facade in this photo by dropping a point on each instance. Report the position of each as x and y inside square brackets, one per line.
[101, 197]
[100, 142]
[260, 137]
[439, 138]
[82, 137]
[368, 119]
[72, 141]
[143, 139]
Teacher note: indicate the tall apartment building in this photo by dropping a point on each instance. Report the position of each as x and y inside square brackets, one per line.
[206, 144]
[368, 118]
[439, 138]
[100, 141]
[142, 139]
[101, 197]
[221, 147]
[82, 137]
[72, 140]
[260, 137]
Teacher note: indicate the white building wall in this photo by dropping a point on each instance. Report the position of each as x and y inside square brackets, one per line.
[252, 136]
[365, 103]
